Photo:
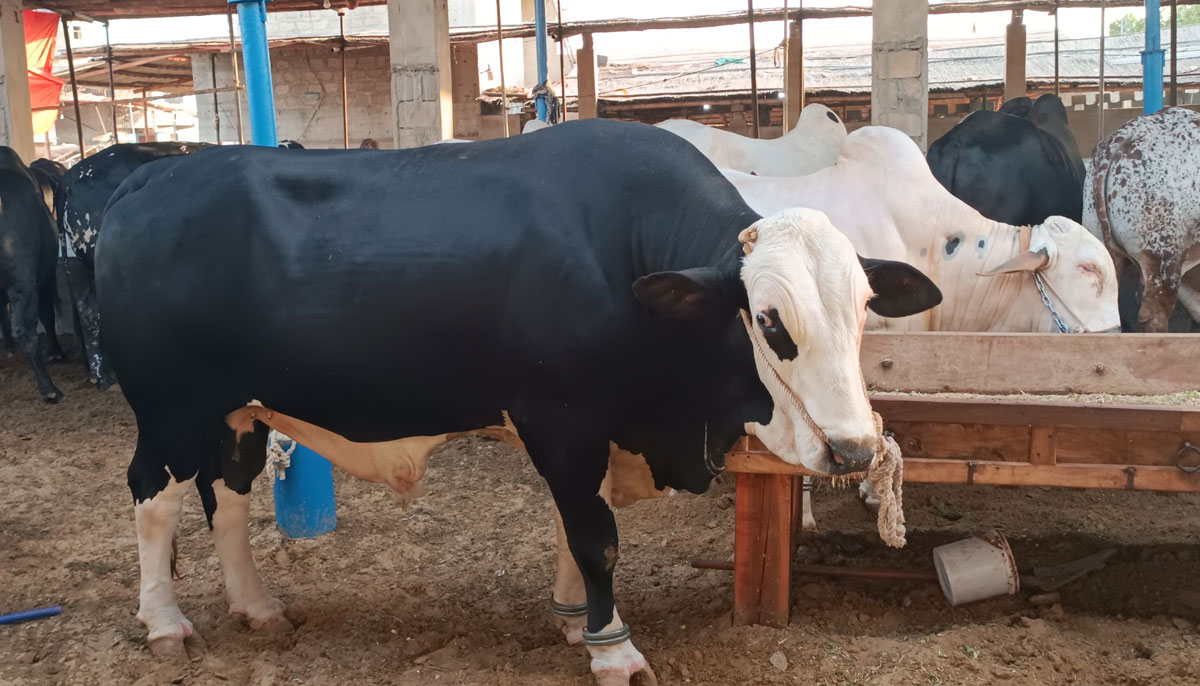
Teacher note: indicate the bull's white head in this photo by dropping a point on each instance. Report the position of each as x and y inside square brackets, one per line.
[1077, 273]
[808, 294]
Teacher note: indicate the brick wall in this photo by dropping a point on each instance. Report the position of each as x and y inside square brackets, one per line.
[308, 96]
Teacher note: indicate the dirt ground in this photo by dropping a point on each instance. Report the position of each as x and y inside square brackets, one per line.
[454, 588]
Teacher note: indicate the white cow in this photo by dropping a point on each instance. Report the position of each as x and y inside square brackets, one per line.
[812, 145]
[882, 195]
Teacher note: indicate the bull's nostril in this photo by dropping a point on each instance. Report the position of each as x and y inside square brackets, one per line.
[838, 459]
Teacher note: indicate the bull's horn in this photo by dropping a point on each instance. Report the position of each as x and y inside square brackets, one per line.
[1027, 261]
[747, 238]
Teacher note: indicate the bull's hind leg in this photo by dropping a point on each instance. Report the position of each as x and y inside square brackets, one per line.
[243, 455]
[24, 327]
[157, 517]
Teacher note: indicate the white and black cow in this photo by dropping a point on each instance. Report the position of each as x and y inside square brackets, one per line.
[1143, 201]
[28, 254]
[81, 197]
[591, 298]
[1019, 166]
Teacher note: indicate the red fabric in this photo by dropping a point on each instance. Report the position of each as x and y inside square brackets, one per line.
[45, 89]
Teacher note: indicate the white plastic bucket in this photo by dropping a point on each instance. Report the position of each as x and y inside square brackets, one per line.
[976, 568]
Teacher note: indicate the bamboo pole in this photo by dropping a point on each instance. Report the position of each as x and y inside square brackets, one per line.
[503, 90]
[112, 85]
[237, 80]
[345, 91]
[74, 87]
[753, 70]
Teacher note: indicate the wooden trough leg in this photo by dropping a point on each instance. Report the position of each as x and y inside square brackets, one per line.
[762, 576]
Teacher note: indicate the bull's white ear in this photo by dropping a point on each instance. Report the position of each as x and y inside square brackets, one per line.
[1028, 261]
[686, 294]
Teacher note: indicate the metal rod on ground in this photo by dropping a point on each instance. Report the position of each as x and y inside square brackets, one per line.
[562, 64]
[829, 570]
[112, 85]
[237, 79]
[1152, 60]
[74, 87]
[252, 14]
[753, 71]
[500, 47]
[212, 61]
[539, 39]
[345, 101]
[1057, 84]
[787, 30]
[1174, 42]
[1100, 95]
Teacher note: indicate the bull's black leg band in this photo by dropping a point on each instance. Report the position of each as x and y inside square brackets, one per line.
[562, 610]
[608, 638]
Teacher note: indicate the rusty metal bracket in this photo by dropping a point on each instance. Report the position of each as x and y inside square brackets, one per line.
[1130, 474]
[1179, 457]
[971, 473]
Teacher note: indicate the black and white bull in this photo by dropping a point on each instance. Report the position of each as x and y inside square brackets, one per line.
[82, 195]
[1019, 166]
[1143, 201]
[28, 254]
[614, 290]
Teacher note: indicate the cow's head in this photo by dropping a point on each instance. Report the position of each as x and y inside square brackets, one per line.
[1078, 276]
[805, 294]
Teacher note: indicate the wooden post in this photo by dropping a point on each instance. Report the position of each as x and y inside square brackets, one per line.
[1100, 95]
[74, 88]
[786, 122]
[345, 100]
[237, 79]
[145, 117]
[112, 86]
[586, 79]
[763, 549]
[500, 47]
[753, 71]
[1015, 49]
[1057, 85]
[212, 64]
[562, 66]
[795, 75]
[1174, 42]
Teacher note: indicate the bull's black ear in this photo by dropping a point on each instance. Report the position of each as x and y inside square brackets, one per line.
[900, 289]
[687, 294]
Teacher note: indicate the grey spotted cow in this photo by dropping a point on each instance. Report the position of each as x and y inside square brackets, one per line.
[1143, 201]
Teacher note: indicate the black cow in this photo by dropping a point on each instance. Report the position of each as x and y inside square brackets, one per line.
[588, 281]
[83, 193]
[28, 253]
[1019, 165]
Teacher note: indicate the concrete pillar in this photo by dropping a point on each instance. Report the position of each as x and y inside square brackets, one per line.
[16, 118]
[900, 67]
[1014, 57]
[585, 71]
[465, 80]
[794, 87]
[422, 100]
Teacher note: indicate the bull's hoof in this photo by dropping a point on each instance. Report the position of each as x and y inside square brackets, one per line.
[269, 618]
[180, 641]
[52, 397]
[57, 357]
[643, 677]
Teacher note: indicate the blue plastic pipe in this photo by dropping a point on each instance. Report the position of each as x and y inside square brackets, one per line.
[28, 615]
[1152, 61]
[539, 30]
[304, 502]
[256, 58]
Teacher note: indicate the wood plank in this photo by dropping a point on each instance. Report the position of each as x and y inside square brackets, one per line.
[1002, 363]
[762, 549]
[962, 441]
[938, 471]
[1042, 445]
[903, 408]
[1139, 448]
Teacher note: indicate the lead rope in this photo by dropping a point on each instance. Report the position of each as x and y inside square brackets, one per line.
[278, 457]
[887, 476]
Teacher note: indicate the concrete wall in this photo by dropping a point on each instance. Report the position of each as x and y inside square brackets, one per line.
[900, 91]
[308, 97]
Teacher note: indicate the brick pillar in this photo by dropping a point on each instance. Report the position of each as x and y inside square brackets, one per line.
[465, 78]
[422, 101]
[586, 70]
[900, 67]
[1014, 57]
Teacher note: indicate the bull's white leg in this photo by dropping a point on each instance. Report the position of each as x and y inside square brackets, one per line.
[170, 633]
[866, 492]
[243, 586]
[615, 665]
[570, 597]
[807, 521]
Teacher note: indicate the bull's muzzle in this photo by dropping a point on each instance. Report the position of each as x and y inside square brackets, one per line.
[852, 454]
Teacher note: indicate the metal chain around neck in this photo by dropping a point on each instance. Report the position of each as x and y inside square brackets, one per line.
[1058, 320]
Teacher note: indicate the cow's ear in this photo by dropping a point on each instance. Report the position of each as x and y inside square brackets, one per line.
[686, 294]
[900, 289]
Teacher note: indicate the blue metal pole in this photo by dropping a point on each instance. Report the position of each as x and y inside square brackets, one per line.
[539, 29]
[1152, 62]
[256, 57]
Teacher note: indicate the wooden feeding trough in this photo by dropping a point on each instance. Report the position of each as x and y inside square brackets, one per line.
[1008, 439]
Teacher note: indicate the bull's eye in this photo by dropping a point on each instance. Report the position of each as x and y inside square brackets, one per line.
[765, 321]
[776, 335]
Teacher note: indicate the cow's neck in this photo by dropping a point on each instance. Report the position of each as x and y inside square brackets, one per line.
[1004, 302]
